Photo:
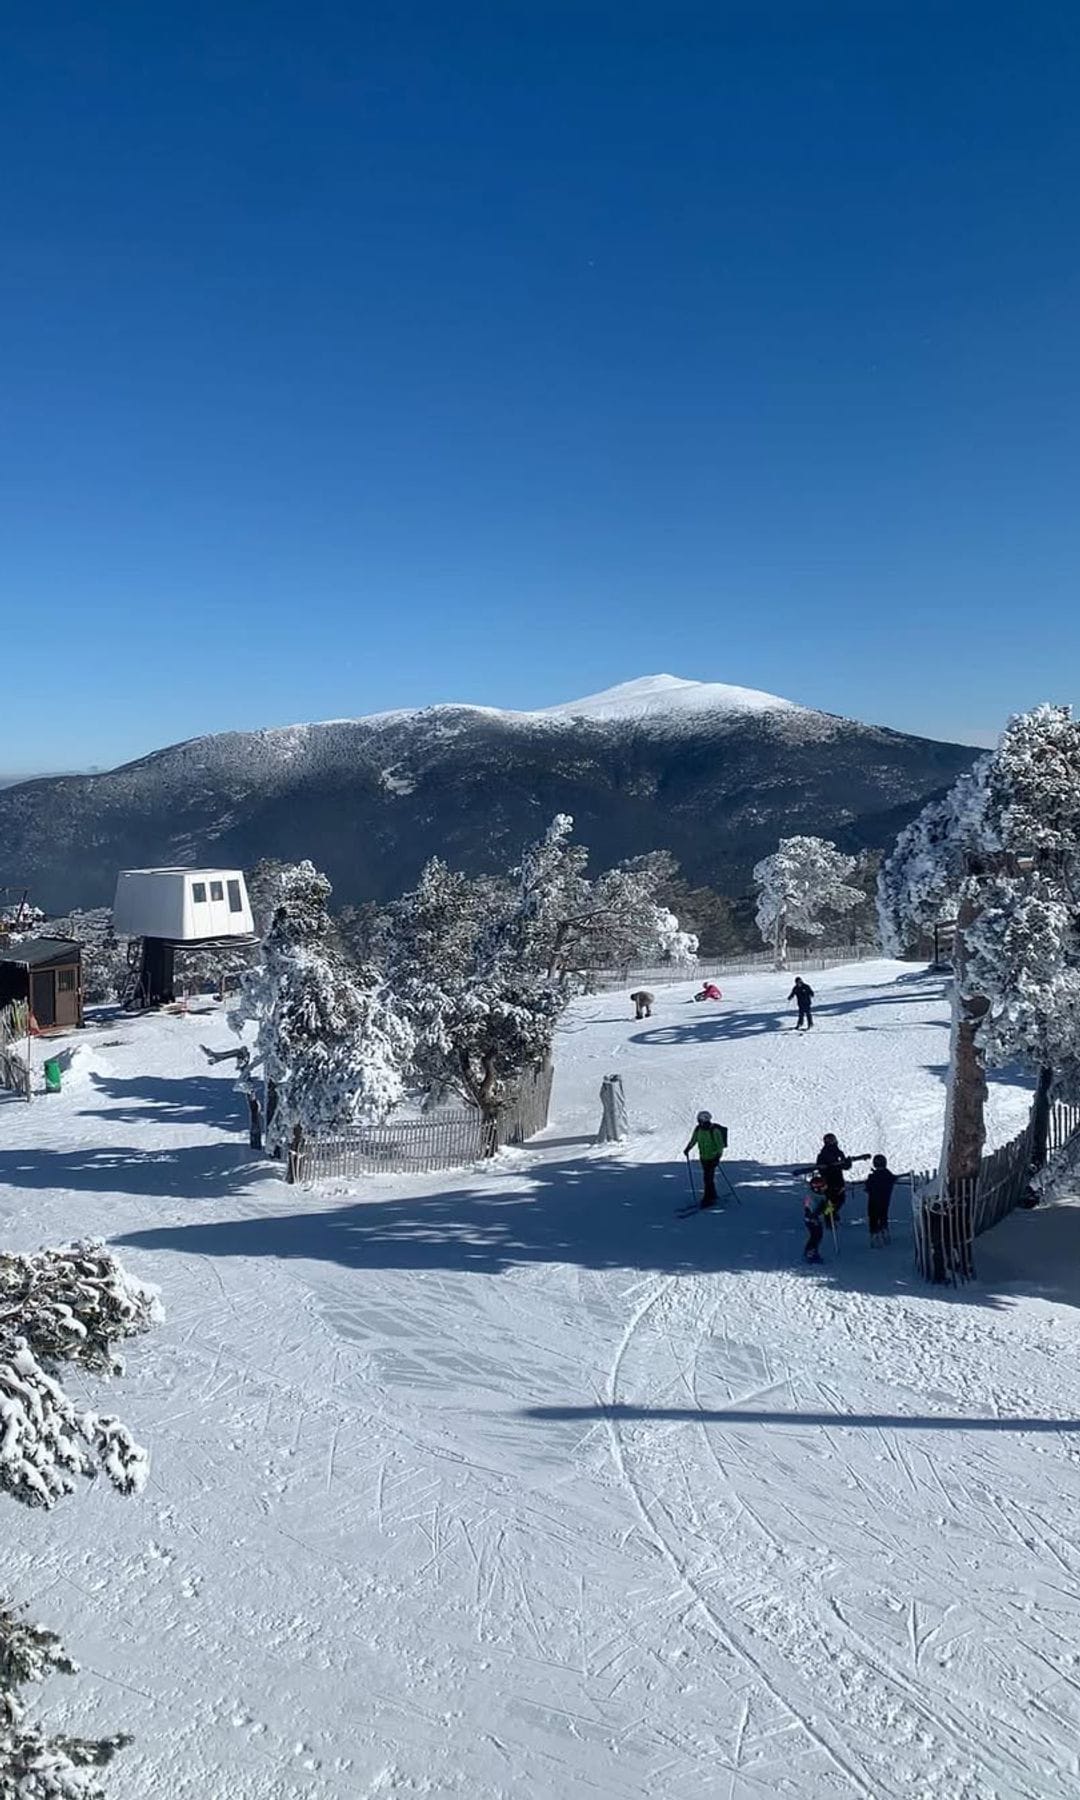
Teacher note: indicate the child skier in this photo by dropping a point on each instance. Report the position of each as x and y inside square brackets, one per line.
[709, 991]
[817, 1208]
[879, 1186]
[803, 993]
[710, 1142]
[831, 1164]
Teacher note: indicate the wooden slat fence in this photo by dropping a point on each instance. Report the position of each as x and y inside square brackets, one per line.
[527, 1113]
[447, 1140]
[798, 961]
[14, 1066]
[946, 1225]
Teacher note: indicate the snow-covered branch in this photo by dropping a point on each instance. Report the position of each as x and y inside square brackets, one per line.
[58, 1306]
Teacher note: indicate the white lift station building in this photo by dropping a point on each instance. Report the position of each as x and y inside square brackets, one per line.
[170, 909]
[183, 906]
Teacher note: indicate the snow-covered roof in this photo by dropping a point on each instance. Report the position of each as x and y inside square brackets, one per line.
[36, 951]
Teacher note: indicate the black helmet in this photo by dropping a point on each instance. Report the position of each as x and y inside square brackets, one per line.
[880, 1162]
[704, 1117]
[830, 1137]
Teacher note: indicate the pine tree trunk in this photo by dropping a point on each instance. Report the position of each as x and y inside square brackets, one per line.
[556, 950]
[780, 940]
[965, 1117]
[1040, 1119]
[967, 1111]
[295, 1146]
[271, 1109]
[255, 1138]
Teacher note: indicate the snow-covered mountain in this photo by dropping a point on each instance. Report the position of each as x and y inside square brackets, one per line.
[712, 772]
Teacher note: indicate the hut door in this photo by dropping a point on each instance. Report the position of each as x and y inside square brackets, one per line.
[43, 997]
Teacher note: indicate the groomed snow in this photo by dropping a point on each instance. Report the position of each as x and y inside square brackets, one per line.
[509, 1483]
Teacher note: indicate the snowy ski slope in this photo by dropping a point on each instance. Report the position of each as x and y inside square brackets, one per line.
[509, 1483]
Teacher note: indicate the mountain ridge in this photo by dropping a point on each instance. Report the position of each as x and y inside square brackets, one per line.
[714, 773]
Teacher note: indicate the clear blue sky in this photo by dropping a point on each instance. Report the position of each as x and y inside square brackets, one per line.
[365, 355]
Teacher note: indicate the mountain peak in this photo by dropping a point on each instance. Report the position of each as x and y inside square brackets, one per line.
[651, 696]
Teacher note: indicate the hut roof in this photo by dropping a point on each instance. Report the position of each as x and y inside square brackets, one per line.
[36, 951]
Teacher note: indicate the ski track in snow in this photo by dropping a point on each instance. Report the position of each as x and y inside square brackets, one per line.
[509, 1482]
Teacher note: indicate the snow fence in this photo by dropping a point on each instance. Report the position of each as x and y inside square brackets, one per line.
[656, 974]
[947, 1222]
[445, 1140]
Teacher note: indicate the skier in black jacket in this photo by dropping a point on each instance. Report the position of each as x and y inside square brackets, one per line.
[879, 1186]
[804, 994]
[831, 1164]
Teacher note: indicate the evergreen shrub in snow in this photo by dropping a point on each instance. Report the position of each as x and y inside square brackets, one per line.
[66, 1305]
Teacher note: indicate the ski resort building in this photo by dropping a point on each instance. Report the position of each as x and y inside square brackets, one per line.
[183, 906]
[46, 972]
[175, 909]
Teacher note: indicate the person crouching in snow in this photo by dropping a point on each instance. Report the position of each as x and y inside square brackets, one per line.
[710, 991]
[643, 1004]
[879, 1186]
[710, 1142]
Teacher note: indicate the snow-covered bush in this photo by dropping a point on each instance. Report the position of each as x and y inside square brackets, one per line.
[330, 1044]
[66, 1305]
[802, 879]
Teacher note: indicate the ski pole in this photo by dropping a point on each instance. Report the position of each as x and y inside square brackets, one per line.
[730, 1185]
[690, 1178]
[835, 1239]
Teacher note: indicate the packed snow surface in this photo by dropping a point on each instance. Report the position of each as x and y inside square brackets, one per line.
[511, 1483]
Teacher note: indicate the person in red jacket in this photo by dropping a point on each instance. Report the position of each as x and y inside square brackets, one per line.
[710, 991]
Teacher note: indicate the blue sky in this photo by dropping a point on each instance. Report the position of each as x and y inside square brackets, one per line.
[359, 356]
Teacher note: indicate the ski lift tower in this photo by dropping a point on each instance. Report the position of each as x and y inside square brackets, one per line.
[165, 910]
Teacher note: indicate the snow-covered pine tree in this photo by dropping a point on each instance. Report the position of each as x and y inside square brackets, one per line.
[920, 881]
[1004, 848]
[803, 878]
[67, 1305]
[463, 964]
[484, 969]
[330, 1043]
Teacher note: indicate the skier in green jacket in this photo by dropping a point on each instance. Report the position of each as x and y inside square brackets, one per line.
[710, 1142]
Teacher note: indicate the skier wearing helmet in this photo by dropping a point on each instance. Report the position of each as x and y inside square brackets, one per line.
[817, 1207]
[710, 1142]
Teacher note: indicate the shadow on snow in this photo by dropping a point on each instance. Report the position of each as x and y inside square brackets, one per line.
[833, 1421]
[595, 1212]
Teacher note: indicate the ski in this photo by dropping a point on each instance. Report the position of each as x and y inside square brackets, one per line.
[684, 1212]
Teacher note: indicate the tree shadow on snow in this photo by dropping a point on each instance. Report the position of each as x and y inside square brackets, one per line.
[164, 1100]
[192, 1172]
[596, 1212]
